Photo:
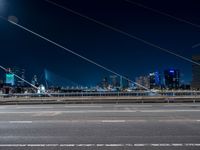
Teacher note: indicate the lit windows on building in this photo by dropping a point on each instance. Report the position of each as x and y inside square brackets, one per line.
[172, 78]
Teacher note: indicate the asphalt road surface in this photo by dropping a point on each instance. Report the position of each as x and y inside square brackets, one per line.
[109, 127]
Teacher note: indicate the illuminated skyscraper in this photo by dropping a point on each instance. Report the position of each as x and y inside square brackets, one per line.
[172, 78]
[155, 80]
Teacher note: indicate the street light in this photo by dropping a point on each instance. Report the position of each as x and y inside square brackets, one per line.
[13, 19]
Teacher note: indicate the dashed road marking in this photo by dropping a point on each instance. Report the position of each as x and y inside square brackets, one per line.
[46, 114]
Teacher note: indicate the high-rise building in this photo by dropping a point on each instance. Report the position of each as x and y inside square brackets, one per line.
[155, 80]
[196, 73]
[172, 78]
[144, 81]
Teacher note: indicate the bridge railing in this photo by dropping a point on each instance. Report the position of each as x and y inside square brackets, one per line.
[107, 94]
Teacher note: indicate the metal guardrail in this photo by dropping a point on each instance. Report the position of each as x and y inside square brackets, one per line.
[92, 100]
[107, 94]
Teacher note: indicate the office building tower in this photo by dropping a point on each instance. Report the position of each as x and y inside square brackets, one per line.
[172, 78]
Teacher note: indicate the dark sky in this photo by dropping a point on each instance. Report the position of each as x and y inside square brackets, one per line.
[120, 53]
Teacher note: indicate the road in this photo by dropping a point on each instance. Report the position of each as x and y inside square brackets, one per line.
[100, 126]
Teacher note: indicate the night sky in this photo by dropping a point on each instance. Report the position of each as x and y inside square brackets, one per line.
[118, 52]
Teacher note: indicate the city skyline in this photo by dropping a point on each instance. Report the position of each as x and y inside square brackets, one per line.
[113, 50]
[166, 79]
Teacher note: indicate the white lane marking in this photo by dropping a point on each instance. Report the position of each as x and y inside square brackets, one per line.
[113, 121]
[85, 145]
[191, 144]
[105, 145]
[114, 145]
[177, 145]
[139, 145]
[47, 114]
[67, 145]
[20, 122]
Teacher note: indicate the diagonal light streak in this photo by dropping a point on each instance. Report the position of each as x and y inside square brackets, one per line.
[124, 33]
[162, 13]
